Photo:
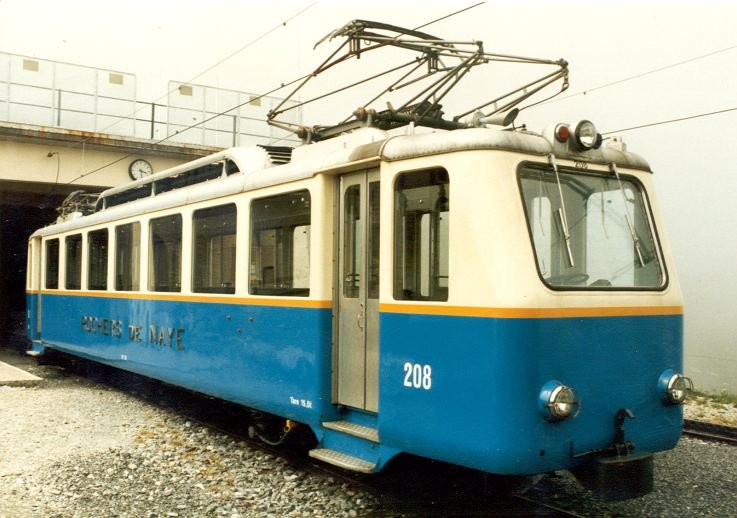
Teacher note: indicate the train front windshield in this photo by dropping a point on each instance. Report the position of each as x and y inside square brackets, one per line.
[590, 231]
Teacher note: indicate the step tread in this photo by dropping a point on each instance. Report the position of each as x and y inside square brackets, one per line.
[357, 430]
[343, 460]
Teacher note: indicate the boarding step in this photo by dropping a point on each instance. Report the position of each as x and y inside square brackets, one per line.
[37, 348]
[342, 460]
[355, 429]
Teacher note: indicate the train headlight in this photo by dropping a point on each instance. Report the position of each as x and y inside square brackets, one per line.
[674, 387]
[586, 135]
[557, 401]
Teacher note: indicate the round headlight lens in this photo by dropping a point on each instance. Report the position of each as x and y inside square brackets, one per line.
[562, 402]
[586, 135]
[558, 401]
[675, 387]
[678, 387]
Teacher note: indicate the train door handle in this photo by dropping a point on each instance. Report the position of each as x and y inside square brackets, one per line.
[359, 317]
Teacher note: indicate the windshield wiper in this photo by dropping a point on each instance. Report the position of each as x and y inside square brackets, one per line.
[635, 239]
[562, 212]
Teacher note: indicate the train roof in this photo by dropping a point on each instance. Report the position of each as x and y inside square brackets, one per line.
[261, 166]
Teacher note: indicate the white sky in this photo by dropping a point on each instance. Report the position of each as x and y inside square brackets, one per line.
[695, 168]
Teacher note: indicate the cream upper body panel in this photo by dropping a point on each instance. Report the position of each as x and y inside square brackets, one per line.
[492, 260]
[491, 257]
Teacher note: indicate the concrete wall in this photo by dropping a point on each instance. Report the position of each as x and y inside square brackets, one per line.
[33, 184]
[81, 158]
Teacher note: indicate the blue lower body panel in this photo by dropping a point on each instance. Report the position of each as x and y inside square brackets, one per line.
[32, 316]
[479, 405]
[275, 359]
[460, 389]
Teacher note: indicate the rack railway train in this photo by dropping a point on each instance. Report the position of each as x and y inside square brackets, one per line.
[499, 299]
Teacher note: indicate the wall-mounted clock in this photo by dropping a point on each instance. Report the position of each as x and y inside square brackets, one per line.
[140, 168]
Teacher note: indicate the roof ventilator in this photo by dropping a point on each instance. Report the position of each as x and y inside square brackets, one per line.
[279, 155]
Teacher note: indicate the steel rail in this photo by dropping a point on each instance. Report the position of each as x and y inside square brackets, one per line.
[708, 431]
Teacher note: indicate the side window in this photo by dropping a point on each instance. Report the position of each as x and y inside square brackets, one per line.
[52, 264]
[280, 245]
[352, 255]
[97, 259]
[73, 247]
[421, 238]
[213, 250]
[374, 237]
[165, 254]
[128, 257]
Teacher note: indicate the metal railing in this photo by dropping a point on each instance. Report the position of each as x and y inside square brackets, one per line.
[56, 94]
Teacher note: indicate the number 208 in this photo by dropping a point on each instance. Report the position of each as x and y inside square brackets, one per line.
[417, 376]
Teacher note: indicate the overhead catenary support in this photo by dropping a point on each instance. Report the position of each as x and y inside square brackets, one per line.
[447, 63]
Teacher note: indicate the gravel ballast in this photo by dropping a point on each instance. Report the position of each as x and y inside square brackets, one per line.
[70, 447]
[73, 448]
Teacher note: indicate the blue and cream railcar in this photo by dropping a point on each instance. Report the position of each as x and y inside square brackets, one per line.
[501, 300]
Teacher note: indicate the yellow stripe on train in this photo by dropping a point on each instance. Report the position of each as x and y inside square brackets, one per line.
[207, 299]
[465, 311]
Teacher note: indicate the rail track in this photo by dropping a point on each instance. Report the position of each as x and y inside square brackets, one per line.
[710, 431]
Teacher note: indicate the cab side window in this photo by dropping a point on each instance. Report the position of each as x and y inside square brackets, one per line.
[421, 235]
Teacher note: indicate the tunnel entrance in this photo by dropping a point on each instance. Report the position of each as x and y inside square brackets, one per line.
[24, 208]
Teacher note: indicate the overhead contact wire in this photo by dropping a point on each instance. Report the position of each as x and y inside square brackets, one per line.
[643, 74]
[671, 121]
[283, 85]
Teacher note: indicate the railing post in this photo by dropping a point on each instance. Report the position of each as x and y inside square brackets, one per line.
[235, 130]
[58, 108]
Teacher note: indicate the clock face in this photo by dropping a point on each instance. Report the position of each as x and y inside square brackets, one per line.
[140, 169]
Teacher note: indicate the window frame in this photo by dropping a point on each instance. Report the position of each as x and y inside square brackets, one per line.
[436, 292]
[200, 266]
[104, 263]
[56, 262]
[650, 216]
[255, 242]
[134, 257]
[169, 259]
[73, 269]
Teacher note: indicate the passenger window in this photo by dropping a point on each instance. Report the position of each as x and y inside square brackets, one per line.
[165, 254]
[185, 178]
[97, 259]
[421, 235]
[73, 247]
[52, 264]
[280, 245]
[127, 257]
[352, 255]
[213, 255]
[374, 236]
